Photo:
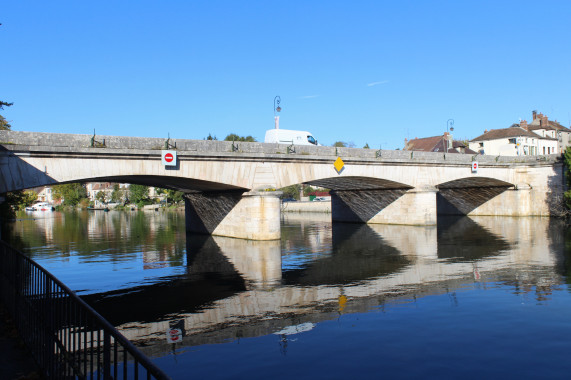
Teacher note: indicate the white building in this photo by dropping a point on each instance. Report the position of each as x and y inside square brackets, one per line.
[542, 126]
[515, 141]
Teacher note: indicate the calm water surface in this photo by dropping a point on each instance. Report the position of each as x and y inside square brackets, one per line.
[470, 298]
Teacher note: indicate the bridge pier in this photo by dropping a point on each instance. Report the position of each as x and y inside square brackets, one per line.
[521, 200]
[253, 215]
[385, 206]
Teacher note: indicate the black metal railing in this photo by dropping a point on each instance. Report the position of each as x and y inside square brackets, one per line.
[68, 339]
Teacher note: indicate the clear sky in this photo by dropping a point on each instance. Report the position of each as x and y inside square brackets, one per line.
[373, 72]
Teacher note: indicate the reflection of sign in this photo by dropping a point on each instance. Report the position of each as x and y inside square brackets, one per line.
[168, 157]
[474, 166]
[174, 335]
[339, 164]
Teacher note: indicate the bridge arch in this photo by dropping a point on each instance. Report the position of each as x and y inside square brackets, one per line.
[186, 185]
[464, 195]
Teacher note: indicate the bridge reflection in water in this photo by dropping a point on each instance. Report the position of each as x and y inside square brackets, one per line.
[235, 288]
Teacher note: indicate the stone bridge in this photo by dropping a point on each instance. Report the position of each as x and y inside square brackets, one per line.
[230, 187]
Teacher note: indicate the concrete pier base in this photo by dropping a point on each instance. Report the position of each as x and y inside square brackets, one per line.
[391, 206]
[519, 201]
[252, 215]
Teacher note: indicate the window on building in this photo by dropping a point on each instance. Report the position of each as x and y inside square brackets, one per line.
[543, 150]
[481, 145]
[511, 141]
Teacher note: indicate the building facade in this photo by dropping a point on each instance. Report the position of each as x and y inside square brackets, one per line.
[514, 141]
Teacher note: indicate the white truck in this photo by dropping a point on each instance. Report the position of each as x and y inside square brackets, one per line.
[288, 136]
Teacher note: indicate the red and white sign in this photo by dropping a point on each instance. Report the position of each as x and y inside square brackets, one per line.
[474, 166]
[168, 157]
[174, 335]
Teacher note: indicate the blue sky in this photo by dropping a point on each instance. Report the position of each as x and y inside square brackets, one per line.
[373, 72]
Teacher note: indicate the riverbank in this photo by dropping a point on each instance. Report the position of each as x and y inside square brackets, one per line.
[311, 207]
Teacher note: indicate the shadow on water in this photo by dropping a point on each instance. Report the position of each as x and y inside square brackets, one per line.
[462, 239]
[207, 270]
[357, 253]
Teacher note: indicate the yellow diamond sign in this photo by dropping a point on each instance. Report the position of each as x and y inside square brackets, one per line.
[339, 164]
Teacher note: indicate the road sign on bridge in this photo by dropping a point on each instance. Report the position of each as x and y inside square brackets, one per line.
[168, 157]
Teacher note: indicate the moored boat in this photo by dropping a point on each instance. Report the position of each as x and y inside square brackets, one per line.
[40, 206]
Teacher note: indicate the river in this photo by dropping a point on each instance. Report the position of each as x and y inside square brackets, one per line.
[484, 297]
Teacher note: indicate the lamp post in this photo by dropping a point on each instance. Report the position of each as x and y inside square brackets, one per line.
[277, 108]
[449, 126]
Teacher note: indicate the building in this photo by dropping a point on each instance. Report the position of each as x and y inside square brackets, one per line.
[514, 141]
[45, 195]
[444, 143]
[544, 127]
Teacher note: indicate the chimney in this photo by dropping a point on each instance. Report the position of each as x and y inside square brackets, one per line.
[534, 112]
[485, 131]
[523, 124]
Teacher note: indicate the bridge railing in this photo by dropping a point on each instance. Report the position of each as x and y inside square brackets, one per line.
[67, 338]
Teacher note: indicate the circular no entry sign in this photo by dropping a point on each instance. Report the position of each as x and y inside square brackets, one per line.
[168, 157]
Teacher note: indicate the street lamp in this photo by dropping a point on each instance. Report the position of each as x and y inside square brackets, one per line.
[277, 108]
[449, 126]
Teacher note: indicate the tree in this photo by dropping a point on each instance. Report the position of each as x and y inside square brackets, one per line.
[366, 146]
[235, 137]
[4, 125]
[291, 191]
[16, 200]
[117, 194]
[175, 196]
[71, 193]
[139, 195]
[100, 196]
[340, 144]
[28, 197]
[210, 137]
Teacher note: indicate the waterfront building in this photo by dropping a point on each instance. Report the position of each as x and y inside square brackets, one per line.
[513, 141]
[444, 143]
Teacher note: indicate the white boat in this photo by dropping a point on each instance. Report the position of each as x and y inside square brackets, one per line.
[40, 206]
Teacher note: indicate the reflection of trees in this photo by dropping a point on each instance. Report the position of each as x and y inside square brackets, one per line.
[111, 235]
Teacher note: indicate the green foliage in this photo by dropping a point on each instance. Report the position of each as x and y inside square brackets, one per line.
[4, 104]
[28, 197]
[139, 195]
[210, 137]
[567, 160]
[11, 204]
[343, 144]
[4, 125]
[235, 137]
[100, 196]
[70, 193]
[366, 146]
[291, 191]
[175, 196]
[172, 196]
[117, 195]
